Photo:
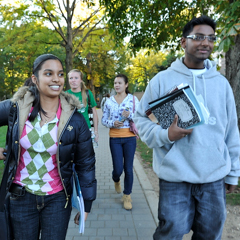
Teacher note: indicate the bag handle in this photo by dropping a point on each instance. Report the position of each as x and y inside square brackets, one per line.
[133, 104]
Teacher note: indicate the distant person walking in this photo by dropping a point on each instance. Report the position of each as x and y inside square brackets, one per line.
[46, 136]
[118, 111]
[78, 89]
[106, 97]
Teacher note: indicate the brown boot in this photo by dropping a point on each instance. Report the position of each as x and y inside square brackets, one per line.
[127, 202]
[118, 187]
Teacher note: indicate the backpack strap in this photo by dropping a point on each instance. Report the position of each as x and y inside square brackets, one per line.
[89, 103]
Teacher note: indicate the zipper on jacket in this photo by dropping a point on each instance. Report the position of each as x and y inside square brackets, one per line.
[19, 136]
[59, 172]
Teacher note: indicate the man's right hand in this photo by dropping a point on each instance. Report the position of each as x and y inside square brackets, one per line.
[175, 132]
[2, 150]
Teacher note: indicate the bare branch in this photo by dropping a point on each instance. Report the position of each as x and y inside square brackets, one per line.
[70, 10]
[73, 7]
[59, 6]
[50, 17]
[48, 43]
[75, 32]
[64, 4]
[86, 36]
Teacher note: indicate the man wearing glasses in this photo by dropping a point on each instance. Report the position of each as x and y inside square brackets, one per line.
[196, 167]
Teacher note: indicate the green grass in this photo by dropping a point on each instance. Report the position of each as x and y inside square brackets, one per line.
[234, 198]
[146, 155]
[145, 152]
[3, 131]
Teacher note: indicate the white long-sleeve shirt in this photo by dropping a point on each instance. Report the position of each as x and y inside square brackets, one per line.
[113, 111]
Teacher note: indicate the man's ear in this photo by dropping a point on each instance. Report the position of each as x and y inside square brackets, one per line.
[183, 42]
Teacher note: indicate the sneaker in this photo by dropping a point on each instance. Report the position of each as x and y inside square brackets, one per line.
[118, 187]
[127, 202]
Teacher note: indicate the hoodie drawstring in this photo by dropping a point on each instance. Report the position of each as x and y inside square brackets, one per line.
[204, 88]
[194, 84]
[205, 94]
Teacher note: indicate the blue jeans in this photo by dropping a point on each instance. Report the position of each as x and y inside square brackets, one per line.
[185, 206]
[29, 212]
[123, 150]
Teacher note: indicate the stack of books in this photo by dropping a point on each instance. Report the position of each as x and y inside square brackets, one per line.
[180, 100]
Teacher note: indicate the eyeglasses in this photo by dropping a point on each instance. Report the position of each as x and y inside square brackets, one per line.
[202, 38]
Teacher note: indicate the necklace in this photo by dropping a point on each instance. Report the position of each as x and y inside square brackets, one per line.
[47, 119]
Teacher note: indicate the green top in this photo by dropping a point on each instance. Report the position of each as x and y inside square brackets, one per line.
[92, 102]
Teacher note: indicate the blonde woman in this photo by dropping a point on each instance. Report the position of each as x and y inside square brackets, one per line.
[78, 88]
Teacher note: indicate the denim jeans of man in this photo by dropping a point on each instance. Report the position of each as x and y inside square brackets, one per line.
[123, 150]
[30, 211]
[185, 206]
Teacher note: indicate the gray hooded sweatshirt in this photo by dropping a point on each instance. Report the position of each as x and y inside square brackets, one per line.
[211, 152]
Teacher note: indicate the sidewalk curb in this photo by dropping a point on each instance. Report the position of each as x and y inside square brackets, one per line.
[148, 190]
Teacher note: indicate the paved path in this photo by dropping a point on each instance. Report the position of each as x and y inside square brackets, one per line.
[108, 220]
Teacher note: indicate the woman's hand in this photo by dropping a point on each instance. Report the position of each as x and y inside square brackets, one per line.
[95, 120]
[2, 150]
[125, 113]
[96, 136]
[118, 124]
[76, 218]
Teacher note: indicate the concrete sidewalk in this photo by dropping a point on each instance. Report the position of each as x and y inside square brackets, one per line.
[108, 220]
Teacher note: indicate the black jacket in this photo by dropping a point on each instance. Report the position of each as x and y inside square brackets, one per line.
[74, 142]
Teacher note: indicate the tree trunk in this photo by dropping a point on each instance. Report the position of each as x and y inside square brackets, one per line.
[89, 74]
[233, 72]
[69, 44]
[68, 62]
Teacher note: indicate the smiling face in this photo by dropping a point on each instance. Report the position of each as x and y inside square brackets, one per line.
[75, 81]
[120, 85]
[197, 51]
[50, 80]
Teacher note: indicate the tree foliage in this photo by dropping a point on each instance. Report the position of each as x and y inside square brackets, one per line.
[20, 45]
[73, 21]
[152, 24]
[26, 36]
[149, 24]
[100, 60]
[143, 67]
[229, 21]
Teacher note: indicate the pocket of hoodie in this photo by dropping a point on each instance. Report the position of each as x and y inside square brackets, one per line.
[196, 158]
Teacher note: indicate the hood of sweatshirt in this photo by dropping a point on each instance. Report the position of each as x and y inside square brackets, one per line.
[179, 67]
[211, 72]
